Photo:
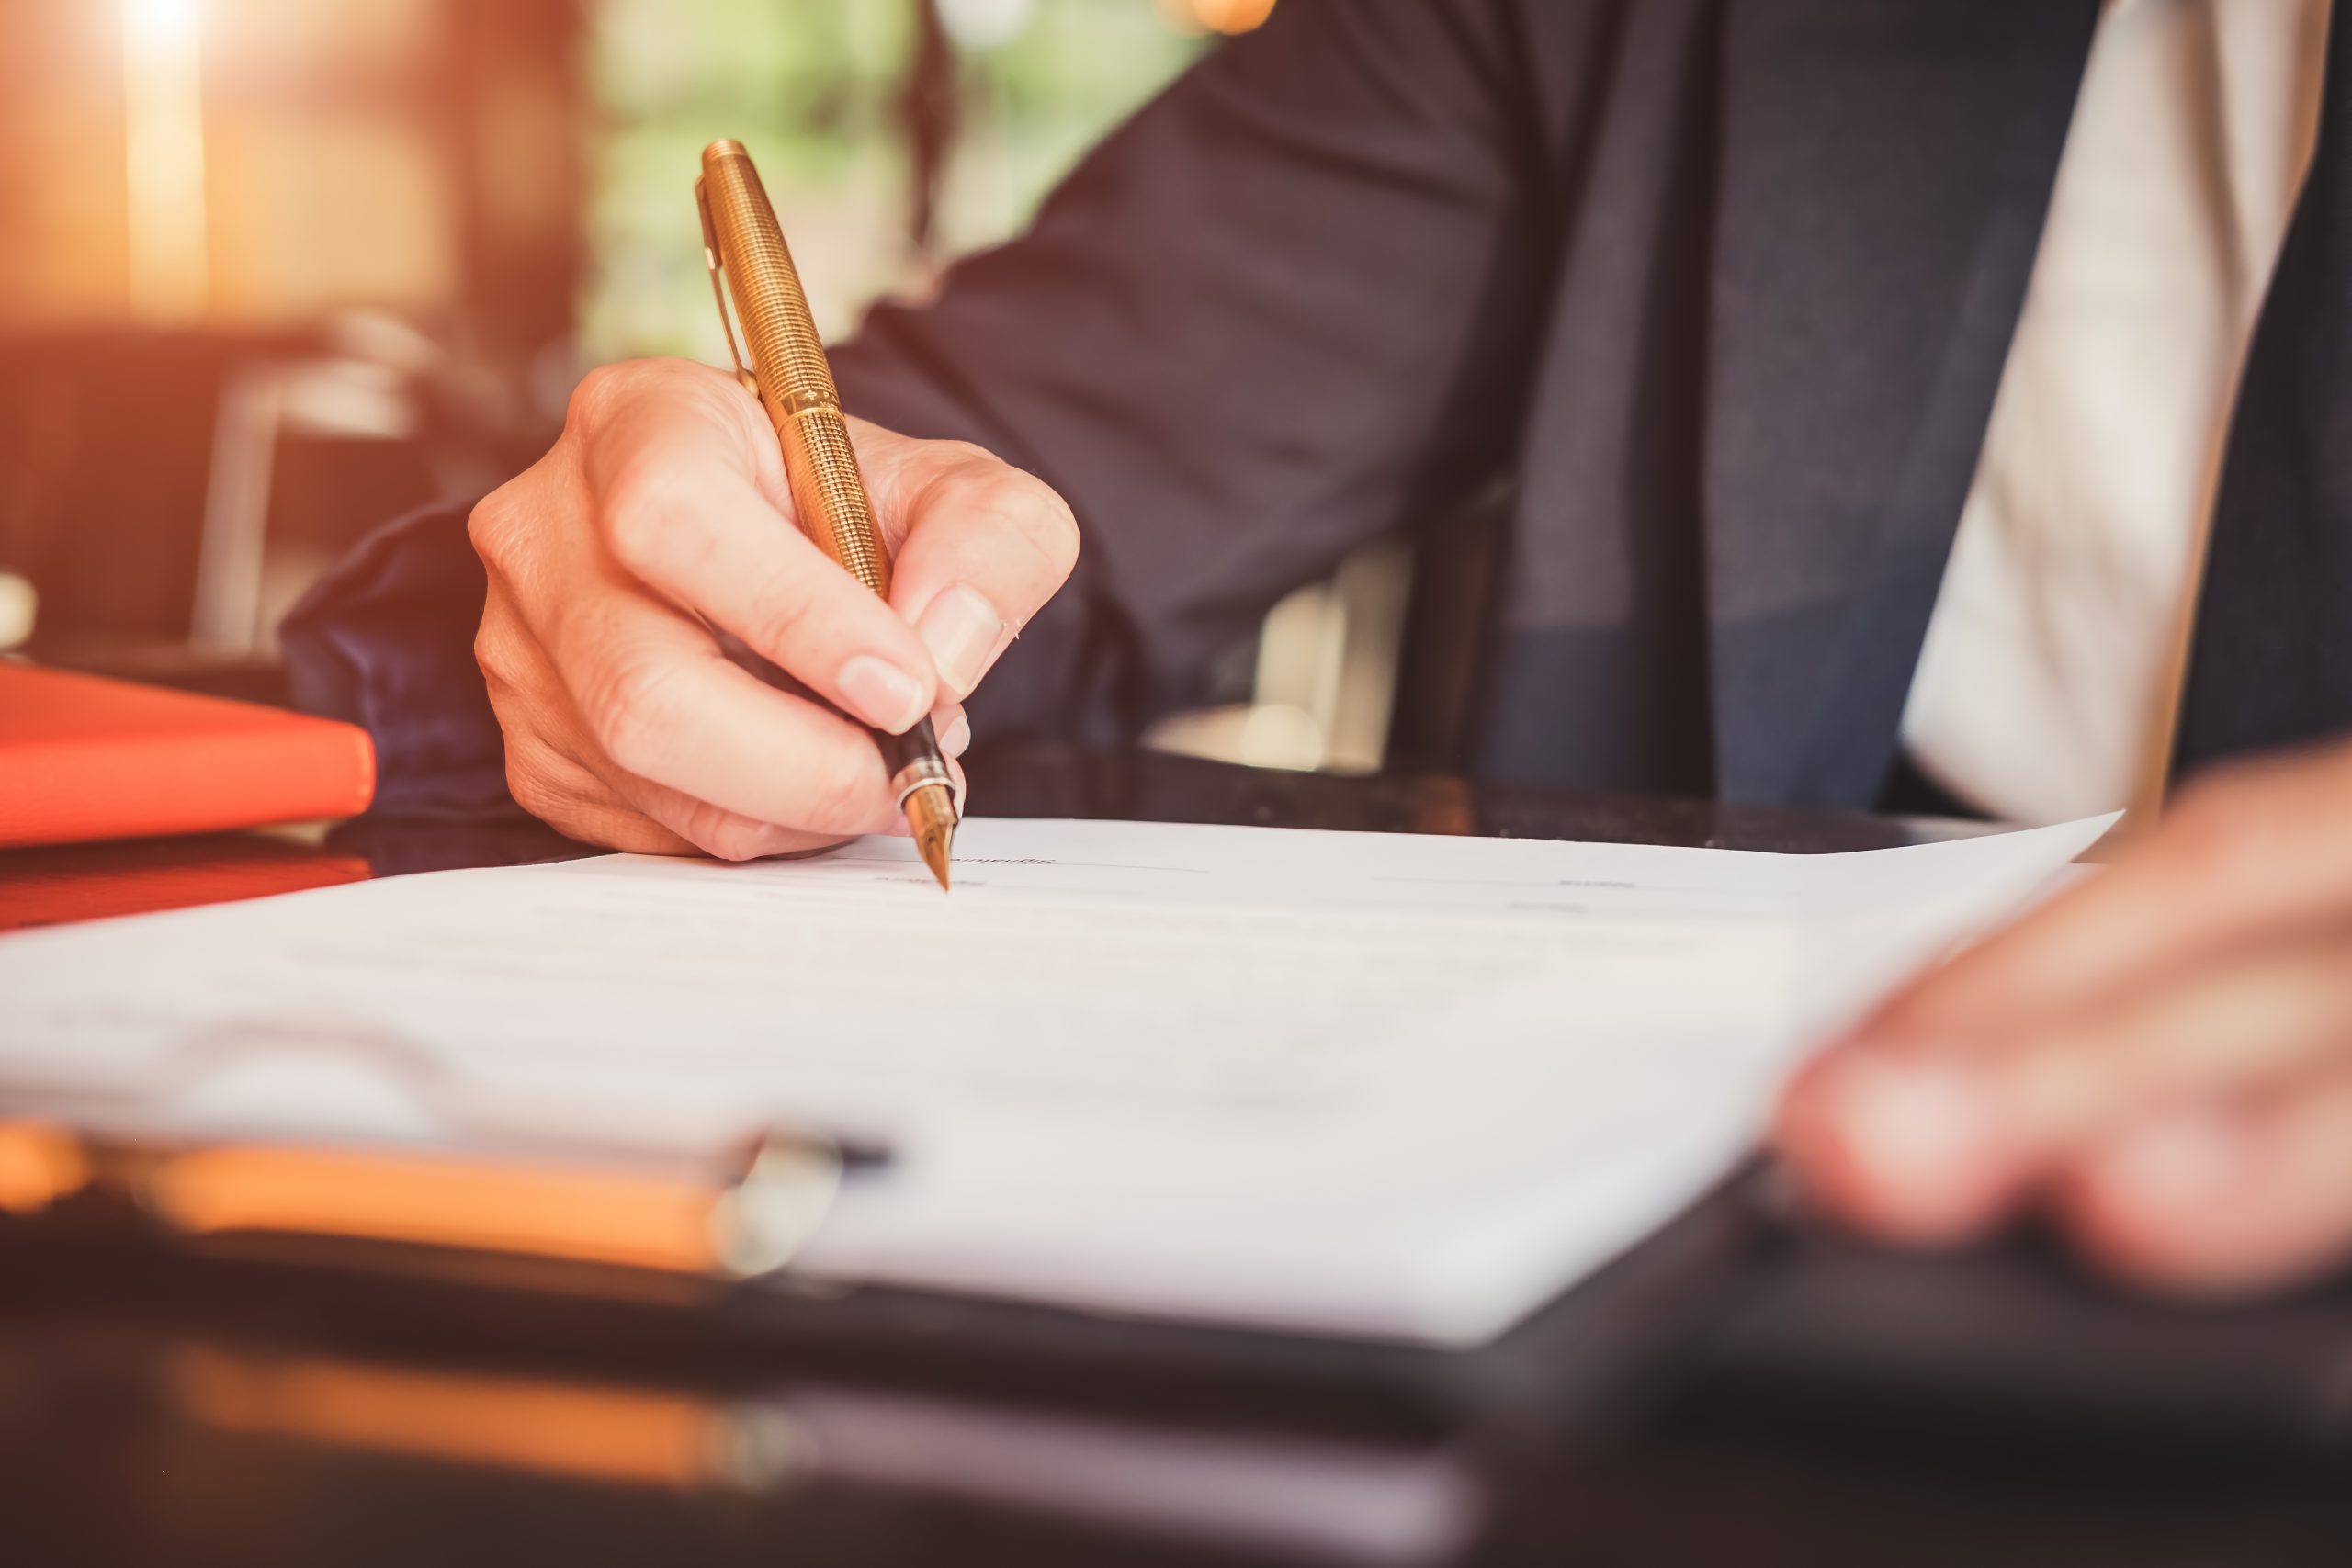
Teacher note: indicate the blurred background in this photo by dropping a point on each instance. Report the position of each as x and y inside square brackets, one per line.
[280, 270]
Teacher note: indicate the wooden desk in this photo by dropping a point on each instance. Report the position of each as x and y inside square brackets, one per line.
[149, 1414]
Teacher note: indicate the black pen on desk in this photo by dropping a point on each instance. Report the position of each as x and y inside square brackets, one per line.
[789, 375]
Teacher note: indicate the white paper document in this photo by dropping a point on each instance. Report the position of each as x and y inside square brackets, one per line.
[1388, 1086]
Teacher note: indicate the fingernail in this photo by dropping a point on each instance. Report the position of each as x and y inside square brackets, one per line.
[1917, 1135]
[958, 738]
[881, 694]
[2185, 1156]
[963, 631]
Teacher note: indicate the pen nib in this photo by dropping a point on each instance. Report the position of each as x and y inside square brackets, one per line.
[931, 813]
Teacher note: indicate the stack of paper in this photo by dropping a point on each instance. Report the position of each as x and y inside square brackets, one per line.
[1385, 1086]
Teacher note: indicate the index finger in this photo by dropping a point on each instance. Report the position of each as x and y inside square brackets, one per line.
[680, 514]
[662, 702]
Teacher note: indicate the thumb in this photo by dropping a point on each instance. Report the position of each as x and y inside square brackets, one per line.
[980, 546]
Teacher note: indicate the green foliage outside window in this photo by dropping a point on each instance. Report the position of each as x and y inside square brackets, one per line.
[814, 89]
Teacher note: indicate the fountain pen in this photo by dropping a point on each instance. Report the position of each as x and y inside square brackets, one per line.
[743, 245]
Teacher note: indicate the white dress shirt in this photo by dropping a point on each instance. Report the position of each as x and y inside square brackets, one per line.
[2050, 672]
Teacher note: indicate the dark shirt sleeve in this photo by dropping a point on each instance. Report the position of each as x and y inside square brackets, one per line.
[1287, 309]
[386, 641]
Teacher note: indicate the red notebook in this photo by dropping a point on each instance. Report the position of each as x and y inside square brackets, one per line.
[83, 758]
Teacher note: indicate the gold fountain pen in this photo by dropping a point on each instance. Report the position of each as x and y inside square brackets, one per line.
[788, 374]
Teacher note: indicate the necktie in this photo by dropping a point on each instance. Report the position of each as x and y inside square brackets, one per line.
[2270, 661]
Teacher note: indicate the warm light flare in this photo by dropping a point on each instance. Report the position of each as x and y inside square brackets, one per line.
[163, 66]
[165, 19]
[1219, 16]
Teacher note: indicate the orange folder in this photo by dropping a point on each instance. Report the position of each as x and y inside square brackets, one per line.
[83, 758]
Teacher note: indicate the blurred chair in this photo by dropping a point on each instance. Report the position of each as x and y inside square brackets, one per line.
[1373, 669]
[105, 445]
[334, 440]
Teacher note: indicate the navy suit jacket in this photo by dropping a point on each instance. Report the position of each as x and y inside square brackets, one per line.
[1719, 289]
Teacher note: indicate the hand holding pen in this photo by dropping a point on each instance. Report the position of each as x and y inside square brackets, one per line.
[663, 512]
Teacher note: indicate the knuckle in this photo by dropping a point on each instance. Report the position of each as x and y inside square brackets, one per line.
[964, 456]
[628, 715]
[839, 798]
[1050, 523]
[499, 640]
[490, 656]
[491, 526]
[782, 621]
[2135, 1238]
[635, 537]
[532, 790]
[602, 397]
[1011, 505]
[608, 388]
[644, 524]
[593, 395]
[1059, 527]
[1025, 507]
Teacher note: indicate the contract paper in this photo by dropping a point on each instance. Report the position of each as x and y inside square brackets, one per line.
[1387, 1086]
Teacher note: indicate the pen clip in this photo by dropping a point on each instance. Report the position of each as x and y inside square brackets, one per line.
[718, 292]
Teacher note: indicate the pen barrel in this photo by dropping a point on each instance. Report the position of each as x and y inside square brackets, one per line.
[795, 383]
[829, 493]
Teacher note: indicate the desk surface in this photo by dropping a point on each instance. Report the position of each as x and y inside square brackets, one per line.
[150, 1415]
